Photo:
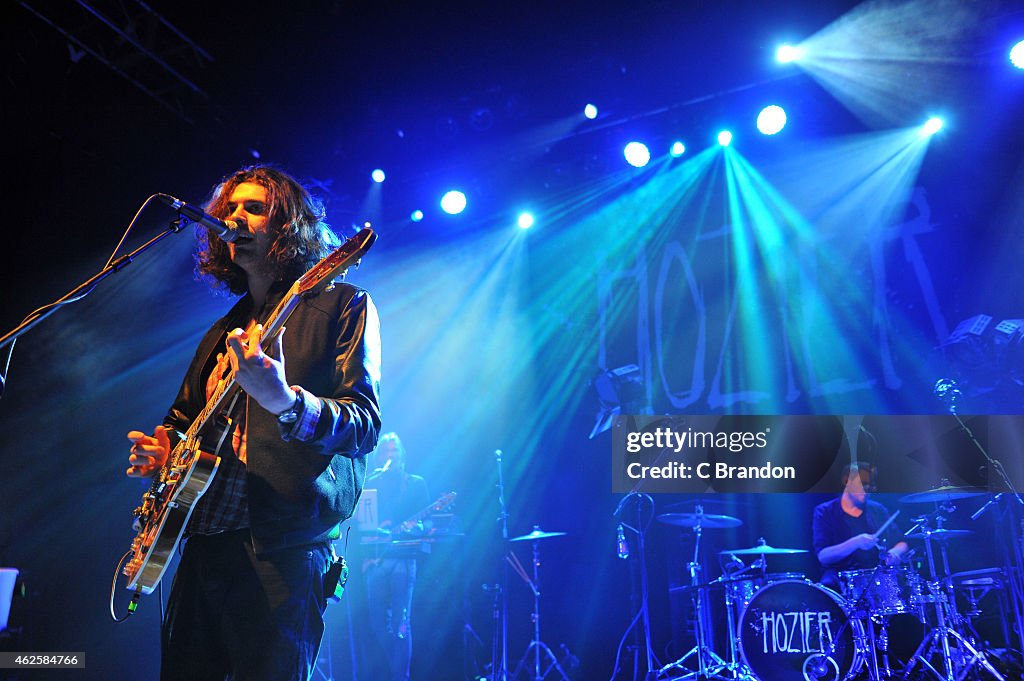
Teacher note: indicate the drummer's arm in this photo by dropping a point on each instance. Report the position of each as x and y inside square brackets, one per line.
[835, 553]
[895, 554]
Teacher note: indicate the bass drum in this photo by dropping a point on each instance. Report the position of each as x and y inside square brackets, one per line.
[795, 629]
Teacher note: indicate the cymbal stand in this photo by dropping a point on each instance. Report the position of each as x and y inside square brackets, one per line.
[958, 654]
[537, 645]
[709, 665]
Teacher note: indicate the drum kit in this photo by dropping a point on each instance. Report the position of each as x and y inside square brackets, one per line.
[785, 627]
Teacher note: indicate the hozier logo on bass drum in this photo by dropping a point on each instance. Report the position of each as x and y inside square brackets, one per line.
[793, 629]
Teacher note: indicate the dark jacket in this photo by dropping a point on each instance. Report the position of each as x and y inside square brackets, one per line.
[299, 492]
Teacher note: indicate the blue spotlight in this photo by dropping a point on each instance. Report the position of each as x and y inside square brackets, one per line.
[789, 53]
[416, 215]
[378, 175]
[525, 221]
[725, 138]
[590, 111]
[637, 154]
[771, 120]
[454, 202]
[1017, 55]
[677, 149]
[931, 126]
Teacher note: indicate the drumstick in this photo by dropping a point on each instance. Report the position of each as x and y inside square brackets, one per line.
[886, 524]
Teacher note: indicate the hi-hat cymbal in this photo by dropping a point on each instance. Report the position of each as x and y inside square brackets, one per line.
[941, 534]
[944, 493]
[537, 534]
[714, 522]
[761, 550]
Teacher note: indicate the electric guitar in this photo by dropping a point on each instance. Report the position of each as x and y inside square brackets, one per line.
[186, 475]
[440, 505]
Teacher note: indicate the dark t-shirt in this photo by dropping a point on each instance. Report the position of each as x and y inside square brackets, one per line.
[833, 525]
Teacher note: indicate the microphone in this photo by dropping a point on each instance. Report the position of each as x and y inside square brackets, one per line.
[623, 545]
[228, 231]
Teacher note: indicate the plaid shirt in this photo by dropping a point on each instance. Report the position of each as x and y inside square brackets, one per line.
[225, 506]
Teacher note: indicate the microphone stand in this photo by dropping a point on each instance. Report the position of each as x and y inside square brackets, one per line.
[499, 666]
[947, 391]
[81, 291]
[639, 563]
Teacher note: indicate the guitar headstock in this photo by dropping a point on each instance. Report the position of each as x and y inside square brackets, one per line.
[322, 274]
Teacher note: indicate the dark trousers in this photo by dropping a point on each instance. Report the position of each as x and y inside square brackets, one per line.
[233, 614]
[389, 588]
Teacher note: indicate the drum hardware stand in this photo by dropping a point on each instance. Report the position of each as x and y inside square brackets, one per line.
[955, 666]
[537, 645]
[709, 665]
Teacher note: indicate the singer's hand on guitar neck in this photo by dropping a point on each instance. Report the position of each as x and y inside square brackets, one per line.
[148, 452]
[259, 374]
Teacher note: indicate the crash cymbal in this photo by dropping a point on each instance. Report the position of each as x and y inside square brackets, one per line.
[537, 534]
[761, 549]
[705, 520]
[944, 493]
[941, 534]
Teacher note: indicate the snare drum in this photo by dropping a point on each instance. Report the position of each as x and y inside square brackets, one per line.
[794, 629]
[882, 591]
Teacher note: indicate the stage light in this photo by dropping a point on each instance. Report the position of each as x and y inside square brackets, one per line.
[771, 120]
[525, 221]
[416, 215]
[1017, 55]
[453, 202]
[590, 111]
[677, 149]
[725, 138]
[637, 154]
[931, 126]
[378, 175]
[789, 53]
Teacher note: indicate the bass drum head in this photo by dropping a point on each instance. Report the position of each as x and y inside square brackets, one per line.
[795, 630]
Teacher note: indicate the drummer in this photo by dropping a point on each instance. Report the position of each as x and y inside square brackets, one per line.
[846, 528]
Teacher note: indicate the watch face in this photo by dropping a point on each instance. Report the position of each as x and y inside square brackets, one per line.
[290, 416]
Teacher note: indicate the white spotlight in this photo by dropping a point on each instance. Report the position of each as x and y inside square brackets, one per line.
[454, 202]
[771, 120]
[1017, 55]
[677, 149]
[789, 53]
[590, 111]
[416, 215]
[931, 126]
[525, 221]
[725, 138]
[637, 154]
[378, 175]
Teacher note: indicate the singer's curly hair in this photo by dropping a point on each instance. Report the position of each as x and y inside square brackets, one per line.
[303, 235]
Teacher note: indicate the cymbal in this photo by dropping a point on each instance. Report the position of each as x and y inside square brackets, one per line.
[761, 549]
[537, 534]
[713, 522]
[941, 534]
[944, 493]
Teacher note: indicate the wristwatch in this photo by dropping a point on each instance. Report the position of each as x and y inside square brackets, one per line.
[291, 414]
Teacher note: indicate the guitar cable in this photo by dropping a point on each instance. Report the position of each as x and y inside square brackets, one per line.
[134, 603]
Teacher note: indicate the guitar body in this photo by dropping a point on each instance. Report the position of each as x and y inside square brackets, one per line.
[163, 516]
[168, 504]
